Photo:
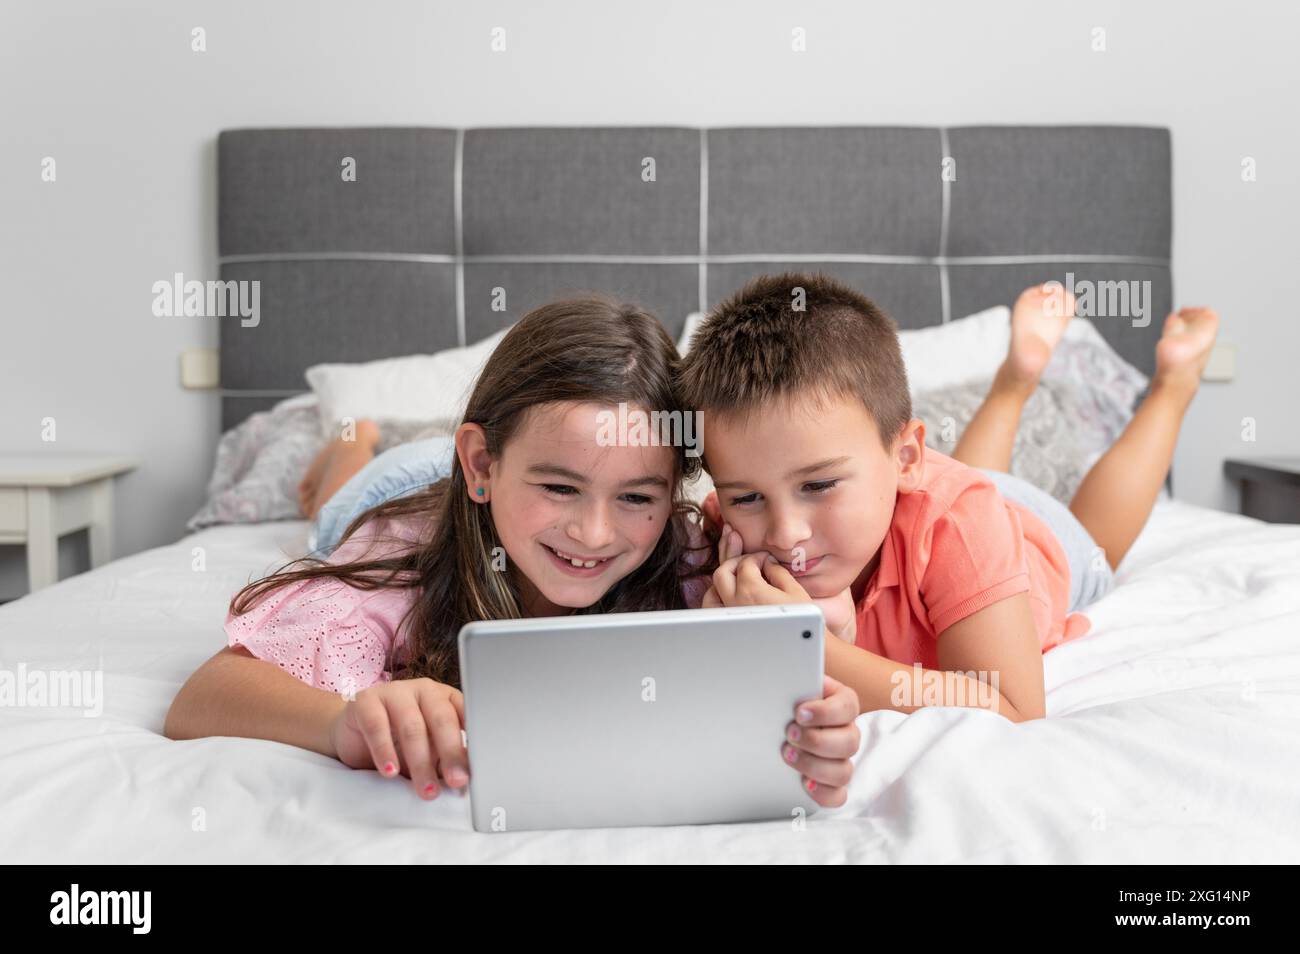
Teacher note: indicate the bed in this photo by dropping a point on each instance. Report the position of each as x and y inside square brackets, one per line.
[1171, 736]
[1172, 724]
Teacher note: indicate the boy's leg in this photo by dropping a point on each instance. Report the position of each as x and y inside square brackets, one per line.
[335, 465]
[1037, 322]
[1116, 496]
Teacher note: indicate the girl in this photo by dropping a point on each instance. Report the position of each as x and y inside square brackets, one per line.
[536, 519]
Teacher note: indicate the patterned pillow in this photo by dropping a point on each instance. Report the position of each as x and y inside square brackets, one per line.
[261, 461]
[1046, 452]
[1082, 404]
[1104, 386]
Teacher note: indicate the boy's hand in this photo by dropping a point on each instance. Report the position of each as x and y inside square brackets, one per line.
[739, 579]
[839, 610]
[421, 718]
[841, 615]
[821, 742]
[758, 578]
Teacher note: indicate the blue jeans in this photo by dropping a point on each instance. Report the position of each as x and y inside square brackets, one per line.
[397, 472]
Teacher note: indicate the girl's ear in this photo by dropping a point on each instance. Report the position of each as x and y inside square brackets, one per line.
[911, 455]
[475, 461]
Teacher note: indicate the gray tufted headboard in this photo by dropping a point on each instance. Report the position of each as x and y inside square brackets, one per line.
[931, 223]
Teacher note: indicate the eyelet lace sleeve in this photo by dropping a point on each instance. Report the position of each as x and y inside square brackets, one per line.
[326, 632]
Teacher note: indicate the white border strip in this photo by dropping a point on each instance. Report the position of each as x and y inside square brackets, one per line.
[458, 190]
[945, 204]
[704, 221]
[588, 259]
[742, 258]
[337, 257]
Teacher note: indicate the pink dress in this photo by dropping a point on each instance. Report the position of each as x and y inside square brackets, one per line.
[336, 636]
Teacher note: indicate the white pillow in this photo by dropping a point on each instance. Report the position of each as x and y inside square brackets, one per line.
[688, 330]
[419, 387]
[972, 348]
[964, 350]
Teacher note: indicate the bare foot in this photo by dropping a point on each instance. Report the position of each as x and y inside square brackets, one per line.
[1184, 347]
[1038, 321]
[332, 467]
[311, 480]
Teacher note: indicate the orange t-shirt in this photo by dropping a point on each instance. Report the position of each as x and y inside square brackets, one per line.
[954, 546]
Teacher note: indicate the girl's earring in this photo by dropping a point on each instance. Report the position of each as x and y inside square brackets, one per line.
[479, 491]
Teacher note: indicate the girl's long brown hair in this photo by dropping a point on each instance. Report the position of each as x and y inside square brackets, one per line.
[590, 349]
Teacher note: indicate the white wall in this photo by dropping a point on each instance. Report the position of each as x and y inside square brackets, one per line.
[115, 94]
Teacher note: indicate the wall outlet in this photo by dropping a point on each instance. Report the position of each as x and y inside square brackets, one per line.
[199, 368]
[1222, 365]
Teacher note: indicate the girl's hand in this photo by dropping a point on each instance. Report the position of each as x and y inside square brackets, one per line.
[411, 726]
[821, 742]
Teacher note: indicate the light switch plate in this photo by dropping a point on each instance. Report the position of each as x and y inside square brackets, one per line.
[199, 368]
[1222, 365]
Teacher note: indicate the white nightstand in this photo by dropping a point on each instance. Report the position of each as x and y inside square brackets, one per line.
[43, 497]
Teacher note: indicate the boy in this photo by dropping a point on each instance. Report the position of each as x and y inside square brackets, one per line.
[940, 589]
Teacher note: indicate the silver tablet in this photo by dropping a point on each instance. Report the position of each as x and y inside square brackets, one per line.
[623, 719]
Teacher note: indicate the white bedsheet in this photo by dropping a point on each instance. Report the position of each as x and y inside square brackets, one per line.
[1173, 736]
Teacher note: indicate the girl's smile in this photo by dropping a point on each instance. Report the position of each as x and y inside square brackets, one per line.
[576, 565]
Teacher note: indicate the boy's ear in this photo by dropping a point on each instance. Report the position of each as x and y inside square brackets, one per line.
[712, 509]
[910, 455]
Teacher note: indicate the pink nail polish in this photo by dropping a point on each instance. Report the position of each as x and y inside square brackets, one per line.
[794, 733]
[812, 786]
[430, 789]
[389, 768]
[790, 754]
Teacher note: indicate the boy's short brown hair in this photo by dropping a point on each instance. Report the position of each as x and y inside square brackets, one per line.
[755, 347]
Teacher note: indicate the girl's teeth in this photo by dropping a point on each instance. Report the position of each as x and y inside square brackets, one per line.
[586, 564]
